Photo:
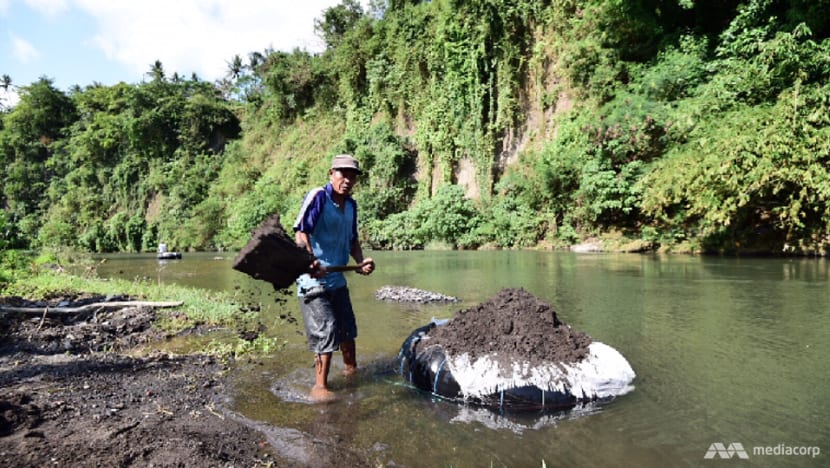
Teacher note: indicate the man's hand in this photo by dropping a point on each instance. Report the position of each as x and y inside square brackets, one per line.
[317, 270]
[367, 266]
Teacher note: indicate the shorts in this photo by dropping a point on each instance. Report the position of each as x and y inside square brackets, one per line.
[329, 320]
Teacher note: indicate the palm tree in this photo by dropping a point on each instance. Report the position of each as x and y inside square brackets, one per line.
[256, 59]
[235, 67]
[6, 84]
[156, 71]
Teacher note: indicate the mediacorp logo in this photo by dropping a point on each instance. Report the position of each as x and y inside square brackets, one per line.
[733, 449]
[736, 449]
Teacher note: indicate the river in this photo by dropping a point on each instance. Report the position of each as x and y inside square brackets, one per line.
[729, 352]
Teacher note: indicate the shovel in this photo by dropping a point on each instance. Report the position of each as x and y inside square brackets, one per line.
[274, 257]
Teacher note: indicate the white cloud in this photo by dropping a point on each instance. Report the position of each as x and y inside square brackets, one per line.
[23, 50]
[4, 6]
[50, 8]
[200, 36]
[9, 97]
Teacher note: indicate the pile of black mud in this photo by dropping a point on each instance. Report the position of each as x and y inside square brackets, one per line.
[76, 390]
[514, 326]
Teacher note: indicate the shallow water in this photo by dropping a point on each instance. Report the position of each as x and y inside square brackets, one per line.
[725, 350]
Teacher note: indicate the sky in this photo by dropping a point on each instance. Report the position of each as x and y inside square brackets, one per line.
[81, 42]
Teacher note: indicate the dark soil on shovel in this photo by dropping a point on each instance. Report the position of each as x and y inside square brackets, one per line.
[271, 255]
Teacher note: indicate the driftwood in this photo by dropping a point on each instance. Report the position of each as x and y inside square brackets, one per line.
[46, 310]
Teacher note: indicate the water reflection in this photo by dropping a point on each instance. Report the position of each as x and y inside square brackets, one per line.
[517, 422]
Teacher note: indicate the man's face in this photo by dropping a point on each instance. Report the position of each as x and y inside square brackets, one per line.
[343, 180]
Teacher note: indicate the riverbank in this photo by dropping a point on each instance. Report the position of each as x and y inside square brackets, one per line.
[72, 394]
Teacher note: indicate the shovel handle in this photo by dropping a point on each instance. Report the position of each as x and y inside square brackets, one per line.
[334, 268]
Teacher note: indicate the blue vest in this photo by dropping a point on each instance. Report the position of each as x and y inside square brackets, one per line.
[331, 233]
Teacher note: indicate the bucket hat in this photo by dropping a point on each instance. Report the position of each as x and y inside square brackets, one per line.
[345, 161]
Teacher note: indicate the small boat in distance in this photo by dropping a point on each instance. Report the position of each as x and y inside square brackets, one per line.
[163, 254]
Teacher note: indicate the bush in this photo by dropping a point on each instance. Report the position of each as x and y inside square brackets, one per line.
[676, 73]
[606, 196]
[509, 224]
[399, 231]
[247, 212]
[447, 217]
[386, 186]
[8, 232]
[14, 264]
[757, 174]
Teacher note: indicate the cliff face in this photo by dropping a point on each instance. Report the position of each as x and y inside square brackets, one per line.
[542, 95]
[539, 111]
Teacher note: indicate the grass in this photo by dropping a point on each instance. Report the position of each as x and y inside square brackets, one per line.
[37, 276]
[199, 306]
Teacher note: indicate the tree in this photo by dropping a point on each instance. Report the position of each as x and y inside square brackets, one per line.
[235, 67]
[336, 21]
[27, 142]
[6, 84]
[156, 72]
[256, 59]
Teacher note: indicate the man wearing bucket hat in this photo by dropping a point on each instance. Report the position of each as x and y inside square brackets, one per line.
[327, 227]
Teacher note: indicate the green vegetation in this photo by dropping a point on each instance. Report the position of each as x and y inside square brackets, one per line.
[260, 345]
[490, 123]
[46, 275]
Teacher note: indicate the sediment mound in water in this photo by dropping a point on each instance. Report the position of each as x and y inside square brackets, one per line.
[513, 326]
[512, 351]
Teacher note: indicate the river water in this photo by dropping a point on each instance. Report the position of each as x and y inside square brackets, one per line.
[726, 351]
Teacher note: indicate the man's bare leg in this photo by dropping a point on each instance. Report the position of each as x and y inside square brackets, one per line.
[349, 350]
[320, 391]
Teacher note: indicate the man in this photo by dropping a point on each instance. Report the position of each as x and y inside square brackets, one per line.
[327, 228]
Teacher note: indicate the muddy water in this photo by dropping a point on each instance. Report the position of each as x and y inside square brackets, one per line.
[725, 350]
